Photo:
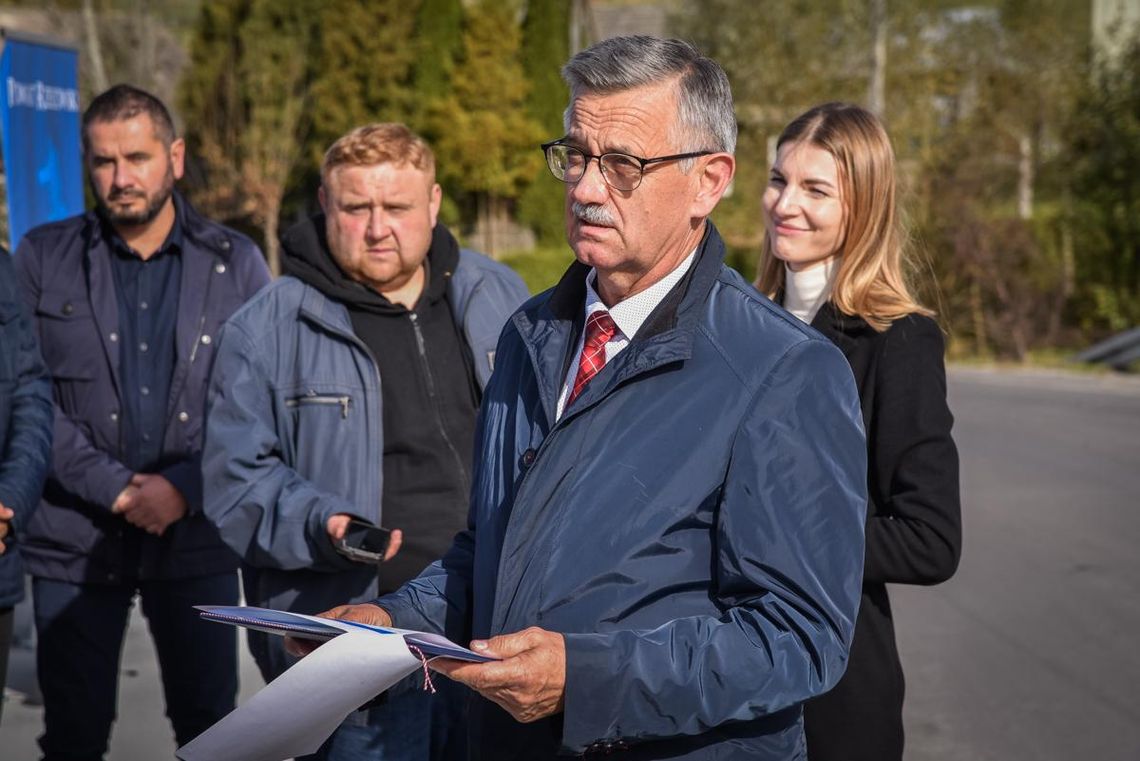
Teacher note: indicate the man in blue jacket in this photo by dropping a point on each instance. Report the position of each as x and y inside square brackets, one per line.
[25, 442]
[665, 537]
[349, 389]
[128, 299]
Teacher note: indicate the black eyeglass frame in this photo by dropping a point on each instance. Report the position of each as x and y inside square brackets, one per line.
[588, 157]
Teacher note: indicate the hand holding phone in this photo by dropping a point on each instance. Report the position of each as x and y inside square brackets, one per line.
[361, 541]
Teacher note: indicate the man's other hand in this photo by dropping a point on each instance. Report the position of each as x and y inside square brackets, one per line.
[338, 523]
[6, 516]
[530, 680]
[150, 502]
[365, 613]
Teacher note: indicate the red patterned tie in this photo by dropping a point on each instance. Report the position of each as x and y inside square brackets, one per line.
[600, 328]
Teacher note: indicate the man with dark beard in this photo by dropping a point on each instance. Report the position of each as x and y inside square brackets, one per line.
[127, 300]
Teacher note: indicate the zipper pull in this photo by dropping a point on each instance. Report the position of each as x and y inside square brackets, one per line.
[344, 407]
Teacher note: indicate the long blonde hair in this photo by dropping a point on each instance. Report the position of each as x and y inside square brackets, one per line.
[870, 282]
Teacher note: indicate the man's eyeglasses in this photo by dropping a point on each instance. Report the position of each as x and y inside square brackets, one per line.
[620, 171]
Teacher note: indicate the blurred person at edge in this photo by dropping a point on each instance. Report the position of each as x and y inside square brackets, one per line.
[127, 300]
[25, 443]
[660, 451]
[833, 256]
[348, 389]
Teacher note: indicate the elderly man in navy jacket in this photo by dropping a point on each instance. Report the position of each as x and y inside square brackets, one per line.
[25, 441]
[665, 538]
[128, 299]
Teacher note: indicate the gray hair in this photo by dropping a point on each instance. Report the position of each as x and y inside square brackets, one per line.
[705, 114]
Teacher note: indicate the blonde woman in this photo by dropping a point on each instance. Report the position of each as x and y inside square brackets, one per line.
[833, 256]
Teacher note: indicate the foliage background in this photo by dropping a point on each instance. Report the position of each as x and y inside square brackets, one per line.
[1016, 123]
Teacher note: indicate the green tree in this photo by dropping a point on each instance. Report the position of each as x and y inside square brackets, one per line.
[363, 68]
[545, 48]
[482, 134]
[244, 100]
[439, 35]
[1104, 151]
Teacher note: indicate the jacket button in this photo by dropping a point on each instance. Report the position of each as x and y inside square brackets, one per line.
[114, 417]
[225, 244]
[219, 268]
[114, 337]
[528, 458]
[183, 417]
[68, 308]
[206, 340]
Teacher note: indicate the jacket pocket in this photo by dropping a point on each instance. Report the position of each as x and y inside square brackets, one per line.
[316, 421]
[313, 399]
[69, 338]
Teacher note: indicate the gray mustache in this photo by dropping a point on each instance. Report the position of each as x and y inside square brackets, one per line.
[592, 213]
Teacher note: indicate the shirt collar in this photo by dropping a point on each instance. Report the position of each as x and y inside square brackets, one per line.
[630, 314]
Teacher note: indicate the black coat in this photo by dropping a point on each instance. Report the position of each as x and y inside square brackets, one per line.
[914, 531]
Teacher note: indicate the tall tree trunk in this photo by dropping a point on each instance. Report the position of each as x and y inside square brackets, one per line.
[1025, 178]
[978, 317]
[269, 227]
[578, 13]
[94, 47]
[876, 91]
[1067, 285]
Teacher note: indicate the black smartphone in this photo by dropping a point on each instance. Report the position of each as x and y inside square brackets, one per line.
[364, 542]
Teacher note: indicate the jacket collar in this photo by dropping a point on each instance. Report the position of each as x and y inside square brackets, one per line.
[551, 328]
[205, 245]
[194, 229]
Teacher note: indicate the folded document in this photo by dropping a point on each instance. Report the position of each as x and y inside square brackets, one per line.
[297, 711]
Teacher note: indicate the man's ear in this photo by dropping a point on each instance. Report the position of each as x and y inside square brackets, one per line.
[434, 202]
[716, 173]
[178, 157]
[323, 199]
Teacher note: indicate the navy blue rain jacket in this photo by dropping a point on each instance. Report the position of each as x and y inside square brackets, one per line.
[693, 525]
[295, 432]
[65, 271]
[25, 427]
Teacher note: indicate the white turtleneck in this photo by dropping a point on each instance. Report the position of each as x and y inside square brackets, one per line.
[808, 290]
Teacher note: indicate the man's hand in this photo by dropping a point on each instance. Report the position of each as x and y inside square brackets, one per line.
[365, 613]
[150, 502]
[338, 523]
[6, 516]
[530, 680]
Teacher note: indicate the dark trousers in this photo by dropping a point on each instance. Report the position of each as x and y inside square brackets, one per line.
[80, 629]
[6, 619]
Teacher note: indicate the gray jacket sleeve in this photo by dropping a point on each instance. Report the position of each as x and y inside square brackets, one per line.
[264, 510]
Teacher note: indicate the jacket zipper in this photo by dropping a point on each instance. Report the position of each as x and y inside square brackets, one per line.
[343, 401]
[435, 402]
[202, 319]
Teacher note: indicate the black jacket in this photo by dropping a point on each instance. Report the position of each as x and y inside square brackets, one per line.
[914, 531]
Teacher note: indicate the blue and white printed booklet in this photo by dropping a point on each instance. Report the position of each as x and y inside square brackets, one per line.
[316, 628]
[296, 712]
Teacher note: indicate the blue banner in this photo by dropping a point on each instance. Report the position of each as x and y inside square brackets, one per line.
[39, 120]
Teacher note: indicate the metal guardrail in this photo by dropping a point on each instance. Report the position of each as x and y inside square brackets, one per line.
[1118, 351]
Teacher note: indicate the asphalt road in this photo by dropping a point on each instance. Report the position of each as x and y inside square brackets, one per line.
[1030, 651]
[1028, 654]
